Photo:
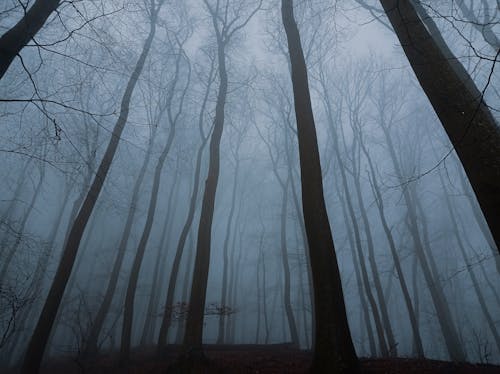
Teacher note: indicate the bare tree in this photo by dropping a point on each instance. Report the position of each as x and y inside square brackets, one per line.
[227, 21]
[43, 327]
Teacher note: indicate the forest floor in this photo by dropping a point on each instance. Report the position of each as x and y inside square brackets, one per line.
[262, 359]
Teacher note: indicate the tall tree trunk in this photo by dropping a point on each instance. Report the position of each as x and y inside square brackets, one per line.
[334, 349]
[373, 265]
[225, 250]
[193, 334]
[36, 347]
[128, 311]
[465, 117]
[141, 248]
[172, 282]
[22, 32]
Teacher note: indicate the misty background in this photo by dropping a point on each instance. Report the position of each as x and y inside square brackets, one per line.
[389, 171]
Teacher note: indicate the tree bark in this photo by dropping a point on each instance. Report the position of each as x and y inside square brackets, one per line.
[465, 117]
[334, 350]
[22, 32]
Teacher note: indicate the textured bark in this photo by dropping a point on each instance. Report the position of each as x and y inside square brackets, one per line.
[333, 349]
[465, 117]
[14, 40]
[36, 347]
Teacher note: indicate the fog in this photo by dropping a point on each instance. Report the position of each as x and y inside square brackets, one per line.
[155, 175]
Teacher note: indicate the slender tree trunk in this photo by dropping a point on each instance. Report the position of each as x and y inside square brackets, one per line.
[98, 322]
[40, 336]
[14, 40]
[374, 268]
[193, 334]
[334, 349]
[160, 260]
[128, 311]
[468, 122]
[172, 282]
[417, 339]
[441, 306]
[225, 250]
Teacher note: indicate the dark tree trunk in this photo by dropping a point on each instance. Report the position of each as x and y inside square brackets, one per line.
[465, 117]
[333, 347]
[128, 311]
[172, 282]
[22, 32]
[193, 334]
[36, 347]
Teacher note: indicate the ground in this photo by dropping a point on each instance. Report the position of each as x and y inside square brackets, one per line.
[281, 358]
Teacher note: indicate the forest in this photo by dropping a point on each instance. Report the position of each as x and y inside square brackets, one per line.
[249, 186]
